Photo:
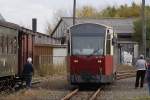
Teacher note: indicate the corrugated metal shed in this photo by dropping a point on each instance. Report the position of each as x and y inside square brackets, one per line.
[120, 25]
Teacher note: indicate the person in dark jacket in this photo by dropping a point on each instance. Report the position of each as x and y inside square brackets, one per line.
[28, 72]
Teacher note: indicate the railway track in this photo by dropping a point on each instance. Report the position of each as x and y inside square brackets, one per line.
[23, 85]
[125, 74]
[75, 92]
[93, 97]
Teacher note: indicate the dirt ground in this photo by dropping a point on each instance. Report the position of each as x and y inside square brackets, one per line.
[124, 90]
[55, 87]
[51, 88]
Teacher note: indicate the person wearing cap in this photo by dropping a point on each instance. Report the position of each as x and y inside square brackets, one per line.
[28, 72]
[141, 70]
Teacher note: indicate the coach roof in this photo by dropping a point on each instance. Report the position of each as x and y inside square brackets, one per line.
[9, 25]
[20, 28]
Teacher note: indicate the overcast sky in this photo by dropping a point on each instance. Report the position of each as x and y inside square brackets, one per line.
[22, 11]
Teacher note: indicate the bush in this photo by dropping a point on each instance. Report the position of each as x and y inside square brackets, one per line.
[125, 68]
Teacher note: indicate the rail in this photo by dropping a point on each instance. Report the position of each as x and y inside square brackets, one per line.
[68, 96]
[120, 75]
[93, 97]
[125, 74]
[74, 92]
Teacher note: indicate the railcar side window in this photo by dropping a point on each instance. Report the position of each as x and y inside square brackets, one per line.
[68, 47]
[108, 44]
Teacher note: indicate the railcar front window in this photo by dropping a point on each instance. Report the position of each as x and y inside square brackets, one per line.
[87, 45]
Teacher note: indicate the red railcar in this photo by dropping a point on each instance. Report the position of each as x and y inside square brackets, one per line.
[90, 54]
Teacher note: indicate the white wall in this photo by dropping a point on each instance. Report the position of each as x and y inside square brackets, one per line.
[136, 48]
[59, 55]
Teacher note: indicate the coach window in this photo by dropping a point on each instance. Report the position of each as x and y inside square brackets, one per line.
[9, 45]
[5, 44]
[7, 41]
[11, 41]
[14, 45]
[2, 44]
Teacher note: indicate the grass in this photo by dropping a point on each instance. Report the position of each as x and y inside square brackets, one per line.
[124, 67]
[141, 98]
[51, 88]
[28, 95]
[49, 69]
[61, 69]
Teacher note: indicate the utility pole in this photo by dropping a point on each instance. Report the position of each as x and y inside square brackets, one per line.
[143, 28]
[74, 12]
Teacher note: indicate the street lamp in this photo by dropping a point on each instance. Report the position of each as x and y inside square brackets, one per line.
[143, 28]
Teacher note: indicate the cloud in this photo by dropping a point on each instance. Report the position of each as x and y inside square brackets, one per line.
[22, 11]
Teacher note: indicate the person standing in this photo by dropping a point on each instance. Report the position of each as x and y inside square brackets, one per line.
[28, 72]
[141, 70]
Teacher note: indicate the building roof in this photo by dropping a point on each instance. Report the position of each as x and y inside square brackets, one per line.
[120, 25]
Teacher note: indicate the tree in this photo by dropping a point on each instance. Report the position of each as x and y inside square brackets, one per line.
[49, 28]
[138, 31]
[110, 11]
[86, 12]
[57, 15]
[122, 11]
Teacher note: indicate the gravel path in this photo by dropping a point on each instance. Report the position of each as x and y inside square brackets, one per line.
[124, 90]
[56, 87]
[51, 88]
[82, 95]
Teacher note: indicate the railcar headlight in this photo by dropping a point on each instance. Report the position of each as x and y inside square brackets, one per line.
[75, 61]
[99, 61]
